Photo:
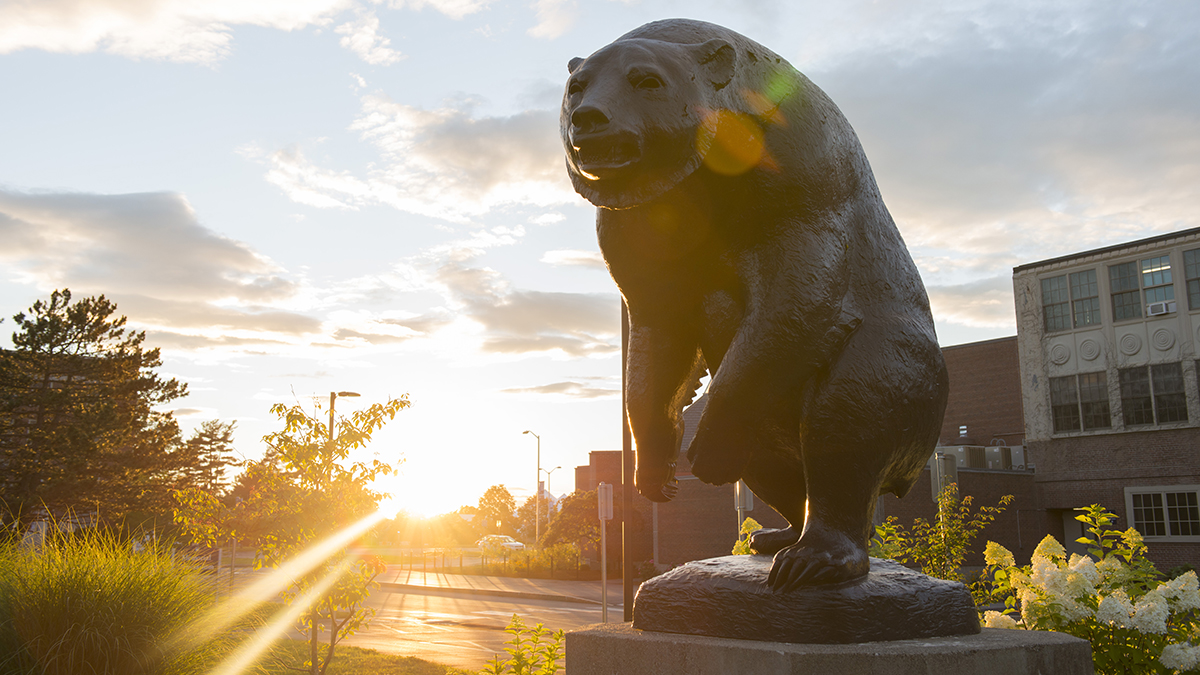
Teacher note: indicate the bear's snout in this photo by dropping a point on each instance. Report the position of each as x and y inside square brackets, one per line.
[588, 119]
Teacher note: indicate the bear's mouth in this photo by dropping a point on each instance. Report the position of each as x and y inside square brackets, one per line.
[601, 156]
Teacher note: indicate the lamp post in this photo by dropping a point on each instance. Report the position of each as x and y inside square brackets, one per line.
[538, 503]
[548, 472]
[537, 511]
[333, 396]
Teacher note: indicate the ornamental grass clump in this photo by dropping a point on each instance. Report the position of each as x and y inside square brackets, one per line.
[1114, 599]
[87, 602]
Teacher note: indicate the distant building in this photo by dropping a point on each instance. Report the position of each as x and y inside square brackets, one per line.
[1107, 343]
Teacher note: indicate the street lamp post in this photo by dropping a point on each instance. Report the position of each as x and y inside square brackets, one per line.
[539, 502]
[333, 396]
[537, 511]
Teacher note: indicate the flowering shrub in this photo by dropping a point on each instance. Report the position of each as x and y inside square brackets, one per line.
[1134, 623]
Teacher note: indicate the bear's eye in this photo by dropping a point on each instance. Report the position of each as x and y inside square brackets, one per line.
[575, 87]
[649, 82]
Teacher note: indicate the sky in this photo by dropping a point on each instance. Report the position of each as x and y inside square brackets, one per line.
[293, 197]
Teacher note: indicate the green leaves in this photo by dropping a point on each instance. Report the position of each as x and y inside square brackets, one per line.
[77, 425]
[939, 547]
[531, 651]
[306, 489]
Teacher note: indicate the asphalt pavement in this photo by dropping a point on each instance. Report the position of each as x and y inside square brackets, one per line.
[397, 578]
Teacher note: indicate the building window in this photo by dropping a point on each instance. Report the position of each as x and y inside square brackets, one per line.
[1056, 304]
[1166, 511]
[1151, 394]
[1156, 279]
[1064, 404]
[1080, 401]
[1070, 303]
[1093, 401]
[1126, 299]
[1085, 298]
[1191, 272]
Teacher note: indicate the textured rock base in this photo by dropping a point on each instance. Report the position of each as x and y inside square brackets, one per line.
[728, 597]
[618, 649]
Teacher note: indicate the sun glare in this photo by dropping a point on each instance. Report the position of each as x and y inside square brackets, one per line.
[268, 588]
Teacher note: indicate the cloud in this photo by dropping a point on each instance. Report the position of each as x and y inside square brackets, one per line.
[555, 17]
[188, 412]
[523, 321]
[568, 389]
[444, 163]
[148, 252]
[985, 303]
[174, 30]
[569, 257]
[128, 243]
[455, 9]
[362, 37]
[1001, 135]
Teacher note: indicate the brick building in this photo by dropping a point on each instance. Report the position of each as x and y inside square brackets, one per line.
[1107, 341]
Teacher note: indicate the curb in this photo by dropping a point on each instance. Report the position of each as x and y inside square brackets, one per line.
[488, 591]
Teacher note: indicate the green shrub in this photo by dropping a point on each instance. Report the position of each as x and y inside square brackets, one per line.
[742, 545]
[88, 603]
[939, 547]
[533, 651]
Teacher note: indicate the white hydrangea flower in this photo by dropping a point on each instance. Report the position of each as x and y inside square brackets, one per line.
[1079, 586]
[1114, 609]
[1150, 613]
[1047, 575]
[1183, 591]
[1181, 657]
[1050, 548]
[1084, 565]
[995, 554]
[998, 620]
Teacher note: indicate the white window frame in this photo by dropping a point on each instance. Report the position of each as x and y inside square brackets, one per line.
[1162, 490]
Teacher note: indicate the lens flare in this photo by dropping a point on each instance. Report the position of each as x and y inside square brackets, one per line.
[736, 144]
[226, 613]
[249, 652]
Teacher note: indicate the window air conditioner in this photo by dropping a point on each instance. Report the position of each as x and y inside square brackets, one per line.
[1157, 308]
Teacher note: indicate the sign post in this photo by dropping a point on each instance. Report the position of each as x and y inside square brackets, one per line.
[604, 499]
[743, 501]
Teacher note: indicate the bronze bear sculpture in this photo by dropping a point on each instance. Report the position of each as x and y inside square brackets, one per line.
[740, 219]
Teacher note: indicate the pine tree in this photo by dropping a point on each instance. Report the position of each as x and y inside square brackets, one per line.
[78, 429]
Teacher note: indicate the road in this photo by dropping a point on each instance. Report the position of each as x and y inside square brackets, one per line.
[460, 620]
[461, 630]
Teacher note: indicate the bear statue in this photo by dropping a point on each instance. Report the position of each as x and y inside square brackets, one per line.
[740, 219]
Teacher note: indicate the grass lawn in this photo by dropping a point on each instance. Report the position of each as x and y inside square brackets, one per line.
[287, 655]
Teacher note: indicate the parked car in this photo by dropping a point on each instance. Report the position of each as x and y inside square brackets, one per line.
[500, 541]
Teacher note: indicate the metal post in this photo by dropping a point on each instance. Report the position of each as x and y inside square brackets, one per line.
[604, 571]
[626, 475]
[604, 507]
[537, 479]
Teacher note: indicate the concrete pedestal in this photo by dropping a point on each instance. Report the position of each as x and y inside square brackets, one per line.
[620, 649]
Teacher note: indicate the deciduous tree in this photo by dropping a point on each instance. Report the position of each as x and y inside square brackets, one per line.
[305, 490]
[496, 509]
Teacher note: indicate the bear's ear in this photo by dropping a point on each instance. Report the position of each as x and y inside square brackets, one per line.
[718, 59]
[573, 64]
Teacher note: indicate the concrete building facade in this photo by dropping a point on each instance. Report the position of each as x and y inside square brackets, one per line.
[1108, 364]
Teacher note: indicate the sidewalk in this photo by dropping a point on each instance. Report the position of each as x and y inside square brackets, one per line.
[397, 578]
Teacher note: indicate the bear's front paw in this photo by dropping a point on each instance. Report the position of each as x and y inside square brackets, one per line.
[719, 453]
[658, 484]
[818, 558]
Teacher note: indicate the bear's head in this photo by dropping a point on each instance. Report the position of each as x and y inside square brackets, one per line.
[632, 116]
